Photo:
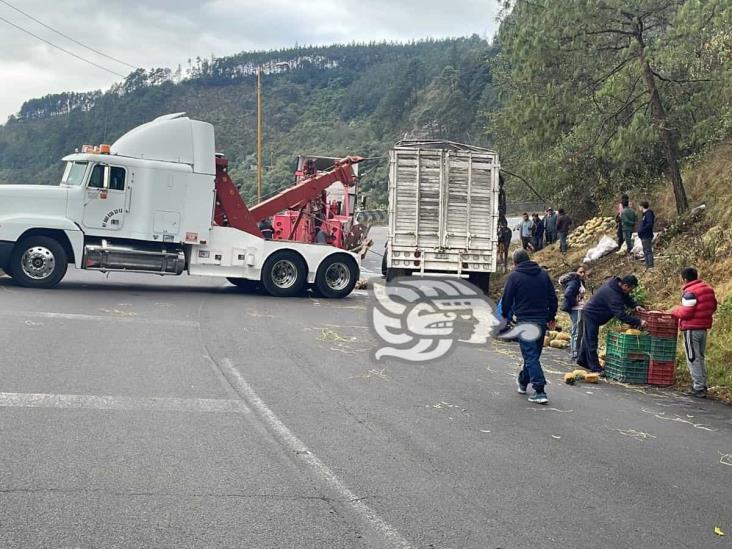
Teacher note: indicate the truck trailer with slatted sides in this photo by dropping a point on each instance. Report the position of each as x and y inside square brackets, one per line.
[443, 211]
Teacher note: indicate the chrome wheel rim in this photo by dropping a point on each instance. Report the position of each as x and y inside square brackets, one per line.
[38, 263]
[284, 274]
[338, 276]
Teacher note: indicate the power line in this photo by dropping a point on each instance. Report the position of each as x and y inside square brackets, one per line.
[62, 49]
[29, 16]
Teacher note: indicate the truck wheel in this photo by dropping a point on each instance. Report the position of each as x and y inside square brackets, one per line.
[38, 262]
[393, 273]
[336, 276]
[284, 274]
[481, 280]
[244, 284]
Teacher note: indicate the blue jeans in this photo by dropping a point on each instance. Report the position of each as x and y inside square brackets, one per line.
[562, 242]
[628, 238]
[576, 333]
[531, 353]
[538, 243]
[587, 355]
[648, 251]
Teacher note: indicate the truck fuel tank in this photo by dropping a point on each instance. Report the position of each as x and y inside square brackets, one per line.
[105, 257]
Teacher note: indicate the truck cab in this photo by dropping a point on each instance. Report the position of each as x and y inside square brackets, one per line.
[158, 201]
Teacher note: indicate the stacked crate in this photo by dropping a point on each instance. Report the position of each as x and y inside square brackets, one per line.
[663, 329]
[626, 357]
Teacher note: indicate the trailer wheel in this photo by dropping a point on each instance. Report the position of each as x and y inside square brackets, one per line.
[38, 262]
[481, 280]
[284, 274]
[393, 273]
[336, 276]
[244, 284]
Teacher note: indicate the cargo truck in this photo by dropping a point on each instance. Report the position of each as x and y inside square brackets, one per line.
[443, 211]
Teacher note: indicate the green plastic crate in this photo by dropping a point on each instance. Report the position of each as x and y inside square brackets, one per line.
[626, 370]
[622, 345]
[663, 349]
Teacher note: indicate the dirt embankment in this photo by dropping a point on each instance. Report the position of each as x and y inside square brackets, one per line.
[702, 240]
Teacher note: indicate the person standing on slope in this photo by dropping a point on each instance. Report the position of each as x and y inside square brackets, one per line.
[645, 232]
[574, 301]
[696, 312]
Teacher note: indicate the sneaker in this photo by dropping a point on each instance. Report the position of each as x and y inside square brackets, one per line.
[539, 398]
[697, 393]
[520, 388]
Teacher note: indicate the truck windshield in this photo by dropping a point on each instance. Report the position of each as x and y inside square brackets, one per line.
[74, 173]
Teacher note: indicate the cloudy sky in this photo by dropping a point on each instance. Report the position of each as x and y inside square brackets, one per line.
[169, 32]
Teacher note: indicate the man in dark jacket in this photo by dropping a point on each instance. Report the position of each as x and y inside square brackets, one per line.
[550, 226]
[574, 296]
[265, 226]
[538, 235]
[529, 294]
[645, 233]
[563, 224]
[609, 301]
[696, 312]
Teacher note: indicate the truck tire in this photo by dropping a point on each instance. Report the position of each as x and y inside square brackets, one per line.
[337, 276]
[481, 280]
[38, 262]
[393, 273]
[284, 274]
[244, 284]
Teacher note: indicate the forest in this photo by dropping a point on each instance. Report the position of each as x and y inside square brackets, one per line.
[601, 97]
[582, 99]
[332, 101]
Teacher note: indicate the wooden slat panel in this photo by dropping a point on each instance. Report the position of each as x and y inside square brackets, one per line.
[468, 220]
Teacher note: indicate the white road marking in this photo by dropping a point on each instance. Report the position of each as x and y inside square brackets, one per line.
[319, 468]
[101, 318]
[92, 402]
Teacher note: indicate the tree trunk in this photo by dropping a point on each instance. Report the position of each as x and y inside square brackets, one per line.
[667, 135]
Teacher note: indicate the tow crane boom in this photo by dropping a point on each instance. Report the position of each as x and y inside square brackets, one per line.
[231, 209]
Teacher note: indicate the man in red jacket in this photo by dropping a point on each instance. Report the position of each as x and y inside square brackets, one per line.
[698, 304]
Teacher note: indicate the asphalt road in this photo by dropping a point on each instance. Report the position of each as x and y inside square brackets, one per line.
[179, 412]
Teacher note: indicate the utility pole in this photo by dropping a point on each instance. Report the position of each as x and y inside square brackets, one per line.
[259, 135]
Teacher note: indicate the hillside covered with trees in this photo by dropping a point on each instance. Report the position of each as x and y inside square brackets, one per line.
[337, 100]
[583, 99]
[599, 97]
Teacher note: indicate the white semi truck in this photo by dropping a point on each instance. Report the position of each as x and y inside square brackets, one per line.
[160, 201]
[443, 210]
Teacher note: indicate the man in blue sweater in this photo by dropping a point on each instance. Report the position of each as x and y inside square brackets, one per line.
[529, 294]
[609, 301]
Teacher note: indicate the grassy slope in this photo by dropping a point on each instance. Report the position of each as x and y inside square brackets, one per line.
[704, 241]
